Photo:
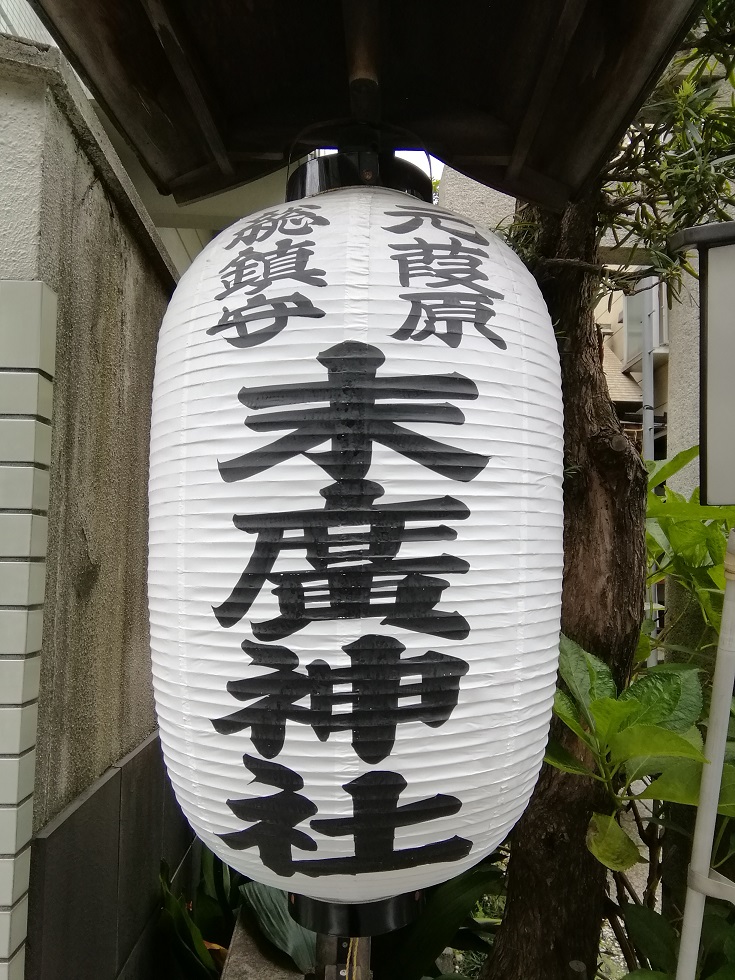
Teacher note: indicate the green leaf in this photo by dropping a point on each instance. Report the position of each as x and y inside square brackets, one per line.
[186, 936]
[609, 715]
[586, 676]
[573, 671]
[564, 709]
[447, 908]
[661, 470]
[728, 946]
[558, 757]
[653, 935]
[610, 844]
[726, 972]
[680, 781]
[270, 907]
[669, 699]
[644, 742]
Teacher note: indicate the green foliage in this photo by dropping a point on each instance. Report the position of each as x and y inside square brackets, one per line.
[270, 908]
[686, 543]
[610, 844]
[653, 935]
[183, 936]
[411, 953]
[643, 731]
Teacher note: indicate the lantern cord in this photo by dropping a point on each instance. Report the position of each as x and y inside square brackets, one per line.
[352, 958]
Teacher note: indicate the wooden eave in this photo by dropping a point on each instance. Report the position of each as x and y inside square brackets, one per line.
[529, 97]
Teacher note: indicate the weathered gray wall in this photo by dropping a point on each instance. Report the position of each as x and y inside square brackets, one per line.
[683, 380]
[95, 701]
[482, 204]
[72, 220]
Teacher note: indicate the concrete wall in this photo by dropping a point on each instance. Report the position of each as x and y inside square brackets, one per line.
[84, 282]
[482, 204]
[683, 380]
[95, 703]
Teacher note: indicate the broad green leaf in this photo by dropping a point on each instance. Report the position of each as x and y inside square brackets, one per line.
[660, 470]
[609, 715]
[728, 946]
[557, 756]
[573, 671]
[188, 941]
[641, 742]
[653, 935]
[670, 699]
[682, 510]
[585, 675]
[447, 908]
[726, 972]
[270, 907]
[565, 709]
[609, 843]
[679, 783]
[658, 536]
[717, 574]
[643, 650]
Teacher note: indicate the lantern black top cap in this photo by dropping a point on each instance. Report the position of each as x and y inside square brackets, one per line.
[704, 236]
[358, 168]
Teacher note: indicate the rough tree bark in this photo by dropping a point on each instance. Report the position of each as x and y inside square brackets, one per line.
[556, 888]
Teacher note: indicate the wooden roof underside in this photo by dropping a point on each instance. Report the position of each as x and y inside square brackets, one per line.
[528, 96]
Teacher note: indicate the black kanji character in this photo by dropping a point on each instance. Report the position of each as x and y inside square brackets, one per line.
[274, 833]
[416, 214]
[354, 574]
[443, 266]
[299, 219]
[275, 310]
[376, 817]
[353, 419]
[254, 271]
[453, 310]
[376, 695]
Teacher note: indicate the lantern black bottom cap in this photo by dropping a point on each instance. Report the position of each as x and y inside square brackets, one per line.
[360, 919]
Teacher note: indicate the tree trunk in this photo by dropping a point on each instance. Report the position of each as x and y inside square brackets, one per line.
[556, 887]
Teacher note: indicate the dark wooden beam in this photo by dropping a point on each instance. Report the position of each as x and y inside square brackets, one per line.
[551, 68]
[182, 68]
[362, 47]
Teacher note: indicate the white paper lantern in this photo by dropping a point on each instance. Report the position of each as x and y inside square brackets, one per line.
[355, 543]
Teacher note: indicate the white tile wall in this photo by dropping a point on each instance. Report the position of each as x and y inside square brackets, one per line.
[19, 679]
[15, 968]
[20, 631]
[27, 326]
[13, 922]
[14, 875]
[23, 487]
[22, 583]
[25, 440]
[16, 826]
[22, 535]
[16, 777]
[17, 729]
[27, 358]
[26, 393]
